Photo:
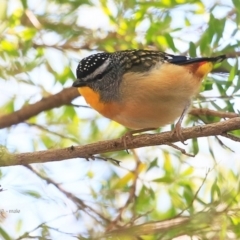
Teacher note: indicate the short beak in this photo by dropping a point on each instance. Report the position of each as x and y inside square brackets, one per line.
[78, 83]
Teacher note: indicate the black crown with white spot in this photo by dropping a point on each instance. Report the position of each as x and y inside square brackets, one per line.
[89, 64]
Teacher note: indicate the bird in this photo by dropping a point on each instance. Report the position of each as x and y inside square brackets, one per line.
[142, 89]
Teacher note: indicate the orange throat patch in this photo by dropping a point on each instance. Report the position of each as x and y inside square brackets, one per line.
[92, 97]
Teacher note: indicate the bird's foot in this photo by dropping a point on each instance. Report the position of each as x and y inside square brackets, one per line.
[178, 131]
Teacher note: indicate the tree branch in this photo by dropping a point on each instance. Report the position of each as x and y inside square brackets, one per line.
[57, 100]
[143, 140]
[233, 55]
[208, 112]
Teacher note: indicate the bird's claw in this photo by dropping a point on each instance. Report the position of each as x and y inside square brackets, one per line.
[125, 138]
[178, 131]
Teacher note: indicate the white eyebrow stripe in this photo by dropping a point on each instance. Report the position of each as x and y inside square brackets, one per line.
[99, 70]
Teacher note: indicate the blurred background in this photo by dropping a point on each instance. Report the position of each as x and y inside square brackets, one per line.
[156, 192]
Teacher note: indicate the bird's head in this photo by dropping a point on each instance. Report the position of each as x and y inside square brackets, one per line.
[99, 72]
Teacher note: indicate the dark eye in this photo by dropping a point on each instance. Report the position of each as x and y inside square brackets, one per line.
[99, 77]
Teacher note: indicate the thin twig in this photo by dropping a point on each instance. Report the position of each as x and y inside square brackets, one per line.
[223, 144]
[180, 149]
[195, 195]
[81, 205]
[52, 132]
[230, 136]
[131, 195]
[115, 161]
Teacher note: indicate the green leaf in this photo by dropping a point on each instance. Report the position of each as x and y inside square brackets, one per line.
[188, 195]
[187, 22]
[208, 85]
[8, 107]
[195, 146]
[145, 200]
[24, 3]
[165, 179]
[233, 73]
[153, 164]
[167, 166]
[237, 86]
[215, 190]
[9, 47]
[3, 10]
[236, 4]
[28, 34]
[65, 75]
[4, 234]
[192, 49]
[204, 43]
[170, 42]
[187, 172]
[32, 193]
[19, 225]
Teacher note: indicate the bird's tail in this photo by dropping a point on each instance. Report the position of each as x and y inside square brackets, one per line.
[183, 60]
